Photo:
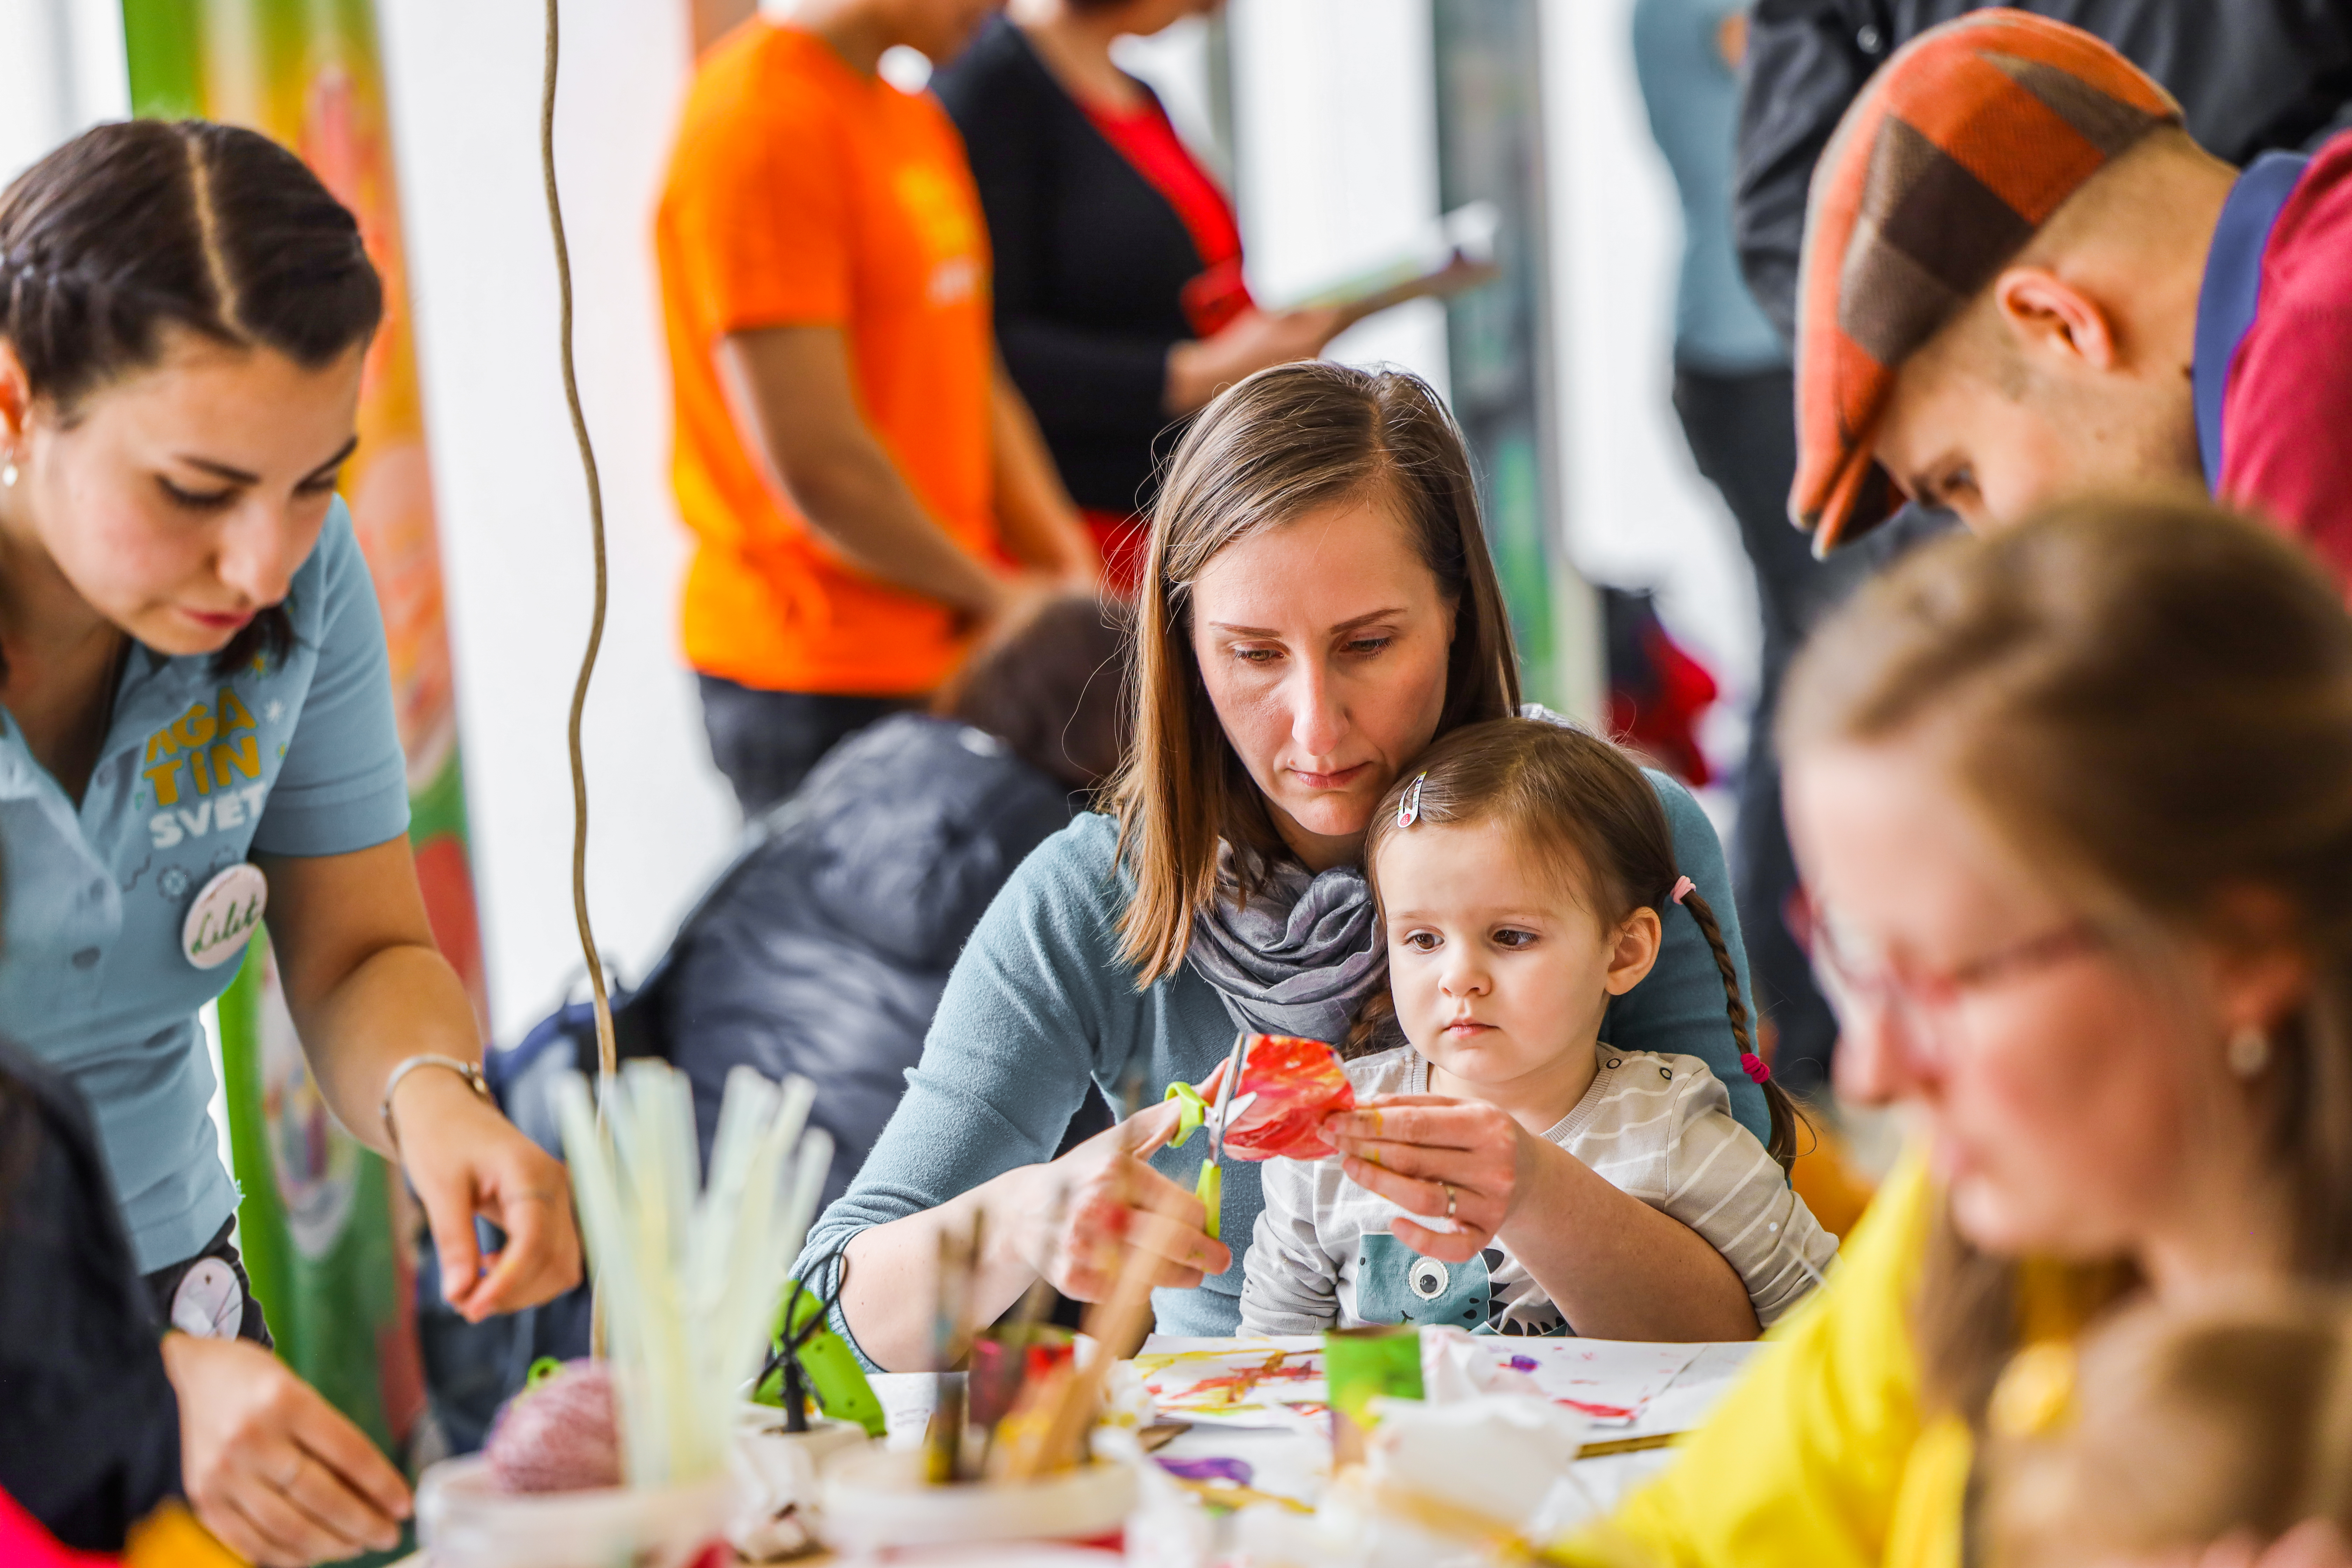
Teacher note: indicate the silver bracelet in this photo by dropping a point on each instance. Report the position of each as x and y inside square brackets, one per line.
[471, 1071]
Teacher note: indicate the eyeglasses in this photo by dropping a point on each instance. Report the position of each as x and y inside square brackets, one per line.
[1922, 1010]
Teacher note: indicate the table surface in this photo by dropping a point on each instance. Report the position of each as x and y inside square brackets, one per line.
[1288, 1463]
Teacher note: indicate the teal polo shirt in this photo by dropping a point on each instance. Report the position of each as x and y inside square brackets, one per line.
[199, 769]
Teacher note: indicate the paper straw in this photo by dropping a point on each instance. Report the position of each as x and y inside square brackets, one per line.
[689, 1274]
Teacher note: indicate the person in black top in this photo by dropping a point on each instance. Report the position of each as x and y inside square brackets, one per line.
[2250, 75]
[1120, 307]
[89, 1428]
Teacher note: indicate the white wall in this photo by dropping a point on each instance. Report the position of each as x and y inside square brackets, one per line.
[513, 510]
[1336, 117]
[1639, 514]
[61, 70]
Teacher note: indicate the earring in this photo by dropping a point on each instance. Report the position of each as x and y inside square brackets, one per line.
[8, 472]
[2249, 1051]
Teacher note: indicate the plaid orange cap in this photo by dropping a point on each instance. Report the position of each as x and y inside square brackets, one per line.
[1955, 154]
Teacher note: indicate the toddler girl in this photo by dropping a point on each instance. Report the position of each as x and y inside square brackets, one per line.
[1522, 873]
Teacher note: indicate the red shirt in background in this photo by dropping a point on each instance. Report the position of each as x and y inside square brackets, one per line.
[2287, 413]
[1144, 137]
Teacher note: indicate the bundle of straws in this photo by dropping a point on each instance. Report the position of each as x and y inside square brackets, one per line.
[689, 1272]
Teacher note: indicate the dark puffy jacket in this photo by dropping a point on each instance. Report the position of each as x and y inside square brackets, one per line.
[822, 951]
[2250, 75]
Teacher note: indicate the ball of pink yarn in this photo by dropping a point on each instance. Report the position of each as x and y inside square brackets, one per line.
[561, 1435]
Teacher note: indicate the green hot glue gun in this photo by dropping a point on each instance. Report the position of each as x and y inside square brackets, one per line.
[822, 1357]
[1197, 1112]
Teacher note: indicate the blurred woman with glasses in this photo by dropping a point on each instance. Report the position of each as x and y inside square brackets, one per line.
[2073, 805]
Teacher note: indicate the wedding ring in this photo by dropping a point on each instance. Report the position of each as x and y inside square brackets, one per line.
[1449, 1199]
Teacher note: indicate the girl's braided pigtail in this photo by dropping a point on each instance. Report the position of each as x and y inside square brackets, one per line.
[1782, 1146]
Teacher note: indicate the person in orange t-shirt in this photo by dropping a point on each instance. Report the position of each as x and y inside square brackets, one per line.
[868, 491]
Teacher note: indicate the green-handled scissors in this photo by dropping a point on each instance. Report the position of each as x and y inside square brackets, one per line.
[1197, 1112]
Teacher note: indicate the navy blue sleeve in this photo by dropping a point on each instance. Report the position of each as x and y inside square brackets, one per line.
[1805, 63]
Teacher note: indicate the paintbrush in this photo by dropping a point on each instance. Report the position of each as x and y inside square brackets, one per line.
[1113, 1321]
[943, 1436]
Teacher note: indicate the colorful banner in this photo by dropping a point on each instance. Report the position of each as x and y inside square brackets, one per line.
[322, 1225]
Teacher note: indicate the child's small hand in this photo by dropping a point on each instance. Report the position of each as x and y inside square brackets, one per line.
[1438, 1158]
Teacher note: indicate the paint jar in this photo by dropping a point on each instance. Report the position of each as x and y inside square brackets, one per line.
[1004, 1358]
[876, 1499]
[464, 1520]
[778, 1518]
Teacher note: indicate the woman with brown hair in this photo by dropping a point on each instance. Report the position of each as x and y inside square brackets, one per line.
[2073, 805]
[1319, 606]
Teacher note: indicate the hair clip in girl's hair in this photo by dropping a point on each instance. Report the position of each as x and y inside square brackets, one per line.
[1683, 885]
[1409, 809]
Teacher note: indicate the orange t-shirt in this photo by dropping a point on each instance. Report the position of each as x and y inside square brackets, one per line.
[803, 194]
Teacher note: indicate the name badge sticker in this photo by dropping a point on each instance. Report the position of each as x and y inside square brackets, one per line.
[225, 916]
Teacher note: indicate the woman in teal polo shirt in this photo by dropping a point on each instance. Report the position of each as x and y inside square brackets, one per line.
[196, 734]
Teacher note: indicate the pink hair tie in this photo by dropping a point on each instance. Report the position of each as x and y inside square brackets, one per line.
[1684, 885]
[1754, 1066]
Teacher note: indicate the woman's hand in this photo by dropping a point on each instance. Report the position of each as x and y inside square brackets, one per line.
[1420, 1151]
[1201, 368]
[271, 1466]
[465, 1159]
[1075, 1222]
[1102, 1204]
[367, 988]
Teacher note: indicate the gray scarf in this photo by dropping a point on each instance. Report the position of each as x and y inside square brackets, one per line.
[1303, 954]
[1300, 957]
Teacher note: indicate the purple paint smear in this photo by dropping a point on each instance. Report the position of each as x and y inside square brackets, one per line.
[1523, 1363]
[1237, 1471]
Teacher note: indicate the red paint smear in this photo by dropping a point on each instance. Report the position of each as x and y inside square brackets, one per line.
[1236, 1385]
[1297, 1083]
[1600, 1412]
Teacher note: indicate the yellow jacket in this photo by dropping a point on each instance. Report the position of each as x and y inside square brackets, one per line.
[1822, 1455]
